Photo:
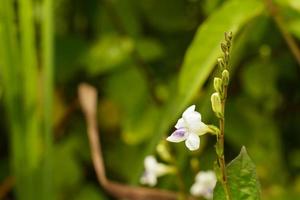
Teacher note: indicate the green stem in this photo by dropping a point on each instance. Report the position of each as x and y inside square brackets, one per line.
[47, 62]
[220, 143]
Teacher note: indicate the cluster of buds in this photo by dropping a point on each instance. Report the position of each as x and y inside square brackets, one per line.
[221, 83]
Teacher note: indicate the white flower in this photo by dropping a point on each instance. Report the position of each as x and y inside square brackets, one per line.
[189, 128]
[204, 185]
[153, 170]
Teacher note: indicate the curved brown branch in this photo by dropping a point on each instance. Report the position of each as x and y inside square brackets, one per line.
[88, 101]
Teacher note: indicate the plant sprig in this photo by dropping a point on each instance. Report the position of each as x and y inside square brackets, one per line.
[218, 100]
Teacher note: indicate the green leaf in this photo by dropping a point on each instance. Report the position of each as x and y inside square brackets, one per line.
[168, 15]
[242, 179]
[90, 192]
[149, 49]
[204, 50]
[108, 53]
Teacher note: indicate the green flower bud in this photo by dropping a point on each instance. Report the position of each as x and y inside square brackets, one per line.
[224, 47]
[225, 77]
[221, 63]
[163, 151]
[216, 104]
[218, 85]
[228, 36]
[226, 58]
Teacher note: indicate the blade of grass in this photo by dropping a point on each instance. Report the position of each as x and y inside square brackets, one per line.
[29, 73]
[9, 62]
[47, 62]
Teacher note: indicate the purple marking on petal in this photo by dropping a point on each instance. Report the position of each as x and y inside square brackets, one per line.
[179, 132]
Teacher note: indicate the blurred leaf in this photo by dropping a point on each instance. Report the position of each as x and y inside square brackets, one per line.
[259, 79]
[68, 53]
[209, 6]
[168, 15]
[128, 15]
[258, 131]
[67, 169]
[204, 50]
[123, 82]
[108, 53]
[242, 179]
[140, 125]
[149, 49]
[138, 112]
[292, 20]
[89, 192]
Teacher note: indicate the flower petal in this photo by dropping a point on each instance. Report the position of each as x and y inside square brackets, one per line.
[161, 169]
[192, 142]
[197, 189]
[150, 163]
[148, 179]
[189, 110]
[178, 136]
[200, 128]
[207, 178]
[180, 124]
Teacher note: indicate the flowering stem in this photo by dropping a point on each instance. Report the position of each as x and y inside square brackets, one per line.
[218, 100]
[220, 144]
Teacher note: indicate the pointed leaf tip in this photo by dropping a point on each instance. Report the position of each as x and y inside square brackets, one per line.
[242, 179]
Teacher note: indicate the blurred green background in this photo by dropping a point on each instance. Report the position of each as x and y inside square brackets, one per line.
[149, 60]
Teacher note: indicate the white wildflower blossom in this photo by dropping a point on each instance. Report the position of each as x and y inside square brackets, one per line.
[189, 128]
[204, 185]
[153, 170]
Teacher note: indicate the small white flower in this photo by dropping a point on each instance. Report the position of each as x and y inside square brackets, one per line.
[204, 184]
[153, 170]
[189, 128]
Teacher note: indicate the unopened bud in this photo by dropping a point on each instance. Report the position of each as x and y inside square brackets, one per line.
[218, 84]
[228, 36]
[216, 104]
[226, 58]
[163, 151]
[221, 63]
[225, 77]
[224, 47]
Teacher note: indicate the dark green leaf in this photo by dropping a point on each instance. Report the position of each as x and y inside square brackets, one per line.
[242, 179]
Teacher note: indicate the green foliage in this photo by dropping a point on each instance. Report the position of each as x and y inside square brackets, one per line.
[108, 53]
[194, 74]
[149, 60]
[198, 61]
[242, 179]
